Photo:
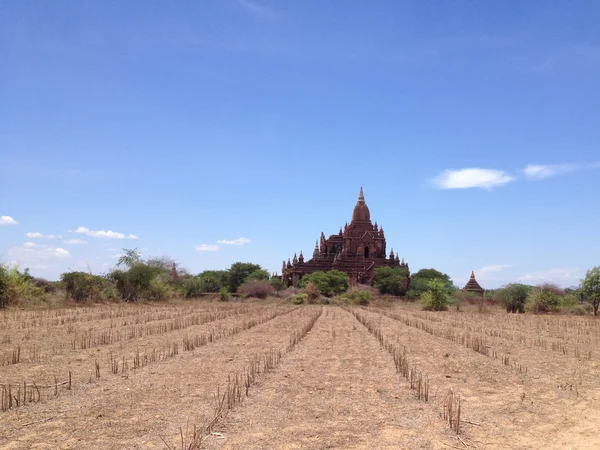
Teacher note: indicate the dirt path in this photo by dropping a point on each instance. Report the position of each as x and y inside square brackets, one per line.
[338, 389]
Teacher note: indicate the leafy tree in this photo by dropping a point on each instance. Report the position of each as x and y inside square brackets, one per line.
[257, 288]
[513, 297]
[419, 282]
[328, 283]
[590, 286]
[259, 275]
[238, 272]
[391, 280]
[135, 277]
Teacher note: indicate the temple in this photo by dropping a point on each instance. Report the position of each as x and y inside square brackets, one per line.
[358, 249]
[473, 286]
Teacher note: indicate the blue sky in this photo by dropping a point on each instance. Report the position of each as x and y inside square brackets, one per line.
[238, 130]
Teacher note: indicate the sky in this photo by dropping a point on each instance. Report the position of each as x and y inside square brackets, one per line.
[238, 130]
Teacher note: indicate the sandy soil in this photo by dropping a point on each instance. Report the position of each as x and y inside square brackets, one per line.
[338, 388]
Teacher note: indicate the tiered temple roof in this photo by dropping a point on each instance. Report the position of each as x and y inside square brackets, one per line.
[473, 286]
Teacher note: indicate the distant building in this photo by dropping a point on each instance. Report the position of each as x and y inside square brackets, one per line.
[174, 274]
[357, 250]
[473, 286]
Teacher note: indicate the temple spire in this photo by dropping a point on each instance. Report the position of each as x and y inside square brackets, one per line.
[472, 274]
[361, 196]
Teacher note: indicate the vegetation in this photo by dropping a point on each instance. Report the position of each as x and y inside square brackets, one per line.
[436, 297]
[542, 300]
[513, 297]
[328, 283]
[590, 287]
[357, 297]
[81, 286]
[420, 282]
[257, 288]
[239, 272]
[391, 280]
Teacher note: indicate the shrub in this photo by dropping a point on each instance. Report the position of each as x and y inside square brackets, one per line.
[513, 297]
[391, 280]
[312, 293]
[192, 287]
[590, 287]
[238, 272]
[45, 285]
[257, 288]
[4, 286]
[135, 282]
[357, 297]
[82, 286]
[541, 301]
[435, 299]
[224, 295]
[328, 283]
[298, 299]
[568, 300]
[277, 284]
[581, 310]
[419, 282]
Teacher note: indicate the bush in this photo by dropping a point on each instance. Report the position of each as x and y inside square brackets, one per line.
[513, 297]
[277, 284]
[581, 310]
[357, 297]
[541, 301]
[419, 282]
[569, 300]
[298, 299]
[82, 286]
[192, 287]
[327, 283]
[224, 295]
[391, 280]
[257, 288]
[312, 293]
[136, 282]
[435, 299]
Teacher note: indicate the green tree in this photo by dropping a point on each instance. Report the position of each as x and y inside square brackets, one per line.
[436, 297]
[238, 272]
[258, 275]
[328, 283]
[82, 286]
[419, 282]
[590, 286]
[391, 280]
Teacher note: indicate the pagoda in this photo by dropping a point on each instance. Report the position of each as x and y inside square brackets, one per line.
[473, 286]
[358, 249]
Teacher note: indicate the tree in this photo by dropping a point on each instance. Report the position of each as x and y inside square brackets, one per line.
[391, 280]
[590, 286]
[419, 282]
[328, 283]
[258, 275]
[238, 272]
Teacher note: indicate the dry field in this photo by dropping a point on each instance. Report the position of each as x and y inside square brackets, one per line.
[273, 375]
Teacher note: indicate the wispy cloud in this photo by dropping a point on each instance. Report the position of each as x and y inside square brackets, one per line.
[259, 10]
[36, 235]
[487, 272]
[564, 276]
[539, 172]
[75, 241]
[31, 252]
[103, 234]
[7, 220]
[238, 241]
[472, 178]
[207, 247]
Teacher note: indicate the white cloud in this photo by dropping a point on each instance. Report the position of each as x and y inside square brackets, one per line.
[566, 276]
[42, 236]
[207, 248]
[471, 178]
[103, 234]
[539, 172]
[32, 252]
[238, 241]
[7, 220]
[74, 241]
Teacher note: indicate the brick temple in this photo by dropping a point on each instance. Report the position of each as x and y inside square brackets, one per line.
[473, 286]
[358, 249]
